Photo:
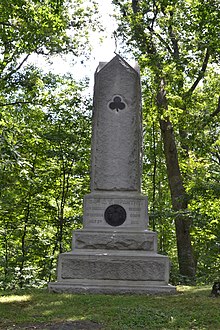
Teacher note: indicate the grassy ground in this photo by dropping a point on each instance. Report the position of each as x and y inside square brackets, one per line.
[191, 308]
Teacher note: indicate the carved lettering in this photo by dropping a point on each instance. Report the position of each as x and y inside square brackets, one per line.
[95, 221]
[135, 215]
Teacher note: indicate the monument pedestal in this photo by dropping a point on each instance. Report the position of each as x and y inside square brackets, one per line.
[114, 252]
[108, 260]
[113, 262]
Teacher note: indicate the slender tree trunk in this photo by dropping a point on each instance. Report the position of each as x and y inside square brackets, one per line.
[23, 246]
[179, 202]
[154, 178]
[186, 260]
[6, 260]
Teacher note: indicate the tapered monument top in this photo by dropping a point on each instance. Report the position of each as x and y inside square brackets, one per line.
[117, 132]
[115, 61]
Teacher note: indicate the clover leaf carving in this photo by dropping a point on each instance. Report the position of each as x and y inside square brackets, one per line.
[117, 104]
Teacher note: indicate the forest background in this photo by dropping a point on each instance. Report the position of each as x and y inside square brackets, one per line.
[45, 130]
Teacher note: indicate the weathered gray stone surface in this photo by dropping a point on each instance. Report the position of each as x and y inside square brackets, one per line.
[114, 252]
[111, 287]
[145, 241]
[113, 272]
[113, 267]
[134, 204]
[116, 141]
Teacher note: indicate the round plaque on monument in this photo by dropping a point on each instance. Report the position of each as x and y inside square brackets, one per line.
[115, 215]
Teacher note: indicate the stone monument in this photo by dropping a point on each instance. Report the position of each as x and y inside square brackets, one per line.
[114, 252]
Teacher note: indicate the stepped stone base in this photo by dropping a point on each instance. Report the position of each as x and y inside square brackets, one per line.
[115, 240]
[112, 271]
[112, 260]
[111, 287]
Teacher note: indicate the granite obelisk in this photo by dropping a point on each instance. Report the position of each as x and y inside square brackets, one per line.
[115, 252]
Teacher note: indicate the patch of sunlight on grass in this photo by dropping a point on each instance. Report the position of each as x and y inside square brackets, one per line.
[14, 298]
[56, 303]
[184, 288]
[192, 289]
[48, 312]
[77, 318]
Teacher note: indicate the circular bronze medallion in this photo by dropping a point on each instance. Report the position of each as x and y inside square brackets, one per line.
[115, 215]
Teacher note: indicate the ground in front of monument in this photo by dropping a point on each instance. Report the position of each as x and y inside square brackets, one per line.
[190, 308]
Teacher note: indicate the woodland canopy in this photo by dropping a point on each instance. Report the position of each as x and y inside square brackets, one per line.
[45, 130]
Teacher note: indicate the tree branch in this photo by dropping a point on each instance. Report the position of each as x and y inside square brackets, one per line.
[201, 73]
[152, 31]
[217, 110]
[173, 40]
[18, 102]
[160, 38]
[7, 24]
[17, 68]
[135, 7]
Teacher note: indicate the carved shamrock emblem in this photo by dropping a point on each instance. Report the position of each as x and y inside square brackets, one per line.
[117, 104]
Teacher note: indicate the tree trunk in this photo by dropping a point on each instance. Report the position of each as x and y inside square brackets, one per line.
[179, 202]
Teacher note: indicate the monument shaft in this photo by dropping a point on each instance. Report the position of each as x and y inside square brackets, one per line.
[116, 142]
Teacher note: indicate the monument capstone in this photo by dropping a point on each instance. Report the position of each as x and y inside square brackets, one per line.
[115, 252]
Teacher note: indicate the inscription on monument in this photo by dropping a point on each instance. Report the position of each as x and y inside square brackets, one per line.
[135, 212]
[115, 215]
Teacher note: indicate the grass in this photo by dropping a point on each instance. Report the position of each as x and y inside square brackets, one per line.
[191, 308]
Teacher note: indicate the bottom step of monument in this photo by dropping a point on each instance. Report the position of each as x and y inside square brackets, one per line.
[102, 271]
[111, 287]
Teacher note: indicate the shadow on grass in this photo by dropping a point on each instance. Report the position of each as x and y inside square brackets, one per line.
[69, 325]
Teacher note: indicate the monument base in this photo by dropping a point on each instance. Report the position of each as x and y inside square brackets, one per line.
[116, 257]
[113, 262]
[115, 240]
[111, 287]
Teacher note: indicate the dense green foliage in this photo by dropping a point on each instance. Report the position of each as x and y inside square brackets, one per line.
[45, 128]
[44, 137]
[177, 46]
[191, 308]
[44, 175]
